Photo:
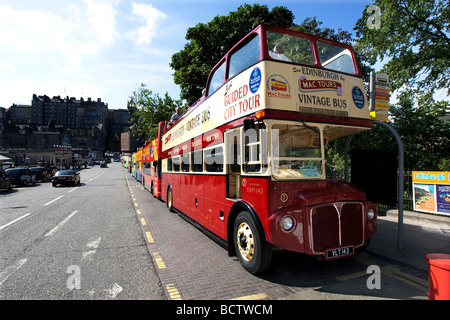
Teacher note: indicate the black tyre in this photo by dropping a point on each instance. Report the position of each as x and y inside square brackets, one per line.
[253, 251]
[170, 200]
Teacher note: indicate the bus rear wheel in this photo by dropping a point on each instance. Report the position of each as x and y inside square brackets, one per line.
[170, 200]
[253, 251]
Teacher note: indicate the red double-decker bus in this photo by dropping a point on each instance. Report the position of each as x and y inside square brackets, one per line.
[138, 169]
[247, 162]
[153, 167]
[146, 165]
[278, 85]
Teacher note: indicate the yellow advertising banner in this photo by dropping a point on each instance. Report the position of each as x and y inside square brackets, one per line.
[432, 177]
[431, 191]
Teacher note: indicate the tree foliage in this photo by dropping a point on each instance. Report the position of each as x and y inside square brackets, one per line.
[413, 41]
[209, 42]
[414, 37]
[150, 110]
[425, 134]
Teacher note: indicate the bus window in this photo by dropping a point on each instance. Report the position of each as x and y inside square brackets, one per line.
[299, 152]
[176, 164]
[335, 58]
[245, 56]
[252, 142]
[214, 159]
[147, 168]
[185, 160]
[197, 161]
[217, 79]
[294, 48]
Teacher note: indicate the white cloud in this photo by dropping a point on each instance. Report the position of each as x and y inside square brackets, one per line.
[101, 17]
[30, 29]
[151, 17]
[77, 48]
[8, 68]
[22, 89]
[65, 40]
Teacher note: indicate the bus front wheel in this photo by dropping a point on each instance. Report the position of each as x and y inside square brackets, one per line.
[170, 200]
[254, 253]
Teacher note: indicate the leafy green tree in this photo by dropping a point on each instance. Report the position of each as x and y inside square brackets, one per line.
[150, 110]
[414, 37]
[425, 135]
[209, 42]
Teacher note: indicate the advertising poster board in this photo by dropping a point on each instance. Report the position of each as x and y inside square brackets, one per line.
[431, 191]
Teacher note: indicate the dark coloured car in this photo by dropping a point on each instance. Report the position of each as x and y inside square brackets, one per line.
[21, 176]
[66, 177]
[5, 182]
[42, 174]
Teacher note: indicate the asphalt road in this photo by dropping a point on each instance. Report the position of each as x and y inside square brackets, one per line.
[81, 242]
[87, 243]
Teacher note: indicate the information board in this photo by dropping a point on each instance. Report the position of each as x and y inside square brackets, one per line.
[431, 191]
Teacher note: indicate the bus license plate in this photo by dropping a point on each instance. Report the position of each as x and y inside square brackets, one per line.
[340, 252]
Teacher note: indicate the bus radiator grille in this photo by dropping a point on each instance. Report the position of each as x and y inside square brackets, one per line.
[337, 224]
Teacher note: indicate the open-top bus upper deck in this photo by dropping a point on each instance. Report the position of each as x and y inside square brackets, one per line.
[285, 74]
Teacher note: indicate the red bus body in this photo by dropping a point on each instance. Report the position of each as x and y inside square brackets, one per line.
[153, 182]
[275, 184]
[138, 165]
[146, 165]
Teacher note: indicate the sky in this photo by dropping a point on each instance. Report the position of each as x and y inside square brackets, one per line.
[107, 48]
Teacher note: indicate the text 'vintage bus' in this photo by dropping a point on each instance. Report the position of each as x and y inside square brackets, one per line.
[247, 162]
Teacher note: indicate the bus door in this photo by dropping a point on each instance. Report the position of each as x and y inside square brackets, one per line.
[233, 142]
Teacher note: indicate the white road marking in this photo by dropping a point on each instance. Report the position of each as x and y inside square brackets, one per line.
[53, 201]
[14, 221]
[5, 274]
[92, 245]
[51, 232]
[114, 291]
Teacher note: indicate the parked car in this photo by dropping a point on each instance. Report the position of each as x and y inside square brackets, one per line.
[5, 181]
[42, 174]
[66, 177]
[21, 176]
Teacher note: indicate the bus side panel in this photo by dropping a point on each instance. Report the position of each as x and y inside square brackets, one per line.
[199, 197]
[164, 186]
[138, 175]
[255, 192]
[213, 207]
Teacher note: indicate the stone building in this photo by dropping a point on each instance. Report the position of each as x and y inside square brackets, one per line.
[56, 129]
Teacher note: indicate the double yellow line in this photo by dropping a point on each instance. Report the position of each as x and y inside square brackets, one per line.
[171, 289]
[390, 271]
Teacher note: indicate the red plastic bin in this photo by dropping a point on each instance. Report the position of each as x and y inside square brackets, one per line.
[438, 276]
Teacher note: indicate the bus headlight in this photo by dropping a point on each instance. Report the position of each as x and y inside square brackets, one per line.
[287, 223]
[370, 213]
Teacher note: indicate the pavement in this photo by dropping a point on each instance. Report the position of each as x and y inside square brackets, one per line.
[190, 268]
[422, 234]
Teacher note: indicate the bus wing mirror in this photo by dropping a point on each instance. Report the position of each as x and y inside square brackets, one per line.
[248, 124]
